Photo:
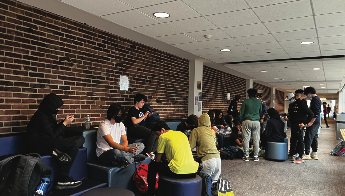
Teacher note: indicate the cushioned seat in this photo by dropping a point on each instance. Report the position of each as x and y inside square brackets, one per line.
[181, 187]
[277, 151]
[109, 191]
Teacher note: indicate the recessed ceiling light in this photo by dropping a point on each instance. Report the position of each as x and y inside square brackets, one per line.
[316, 68]
[161, 15]
[263, 71]
[225, 50]
[323, 87]
[322, 84]
[276, 78]
[306, 43]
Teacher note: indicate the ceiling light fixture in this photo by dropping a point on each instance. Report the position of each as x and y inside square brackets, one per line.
[263, 71]
[225, 50]
[306, 43]
[322, 84]
[323, 87]
[161, 15]
[276, 78]
[316, 68]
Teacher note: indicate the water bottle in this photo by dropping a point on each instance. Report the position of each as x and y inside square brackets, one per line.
[87, 122]
[43, 186]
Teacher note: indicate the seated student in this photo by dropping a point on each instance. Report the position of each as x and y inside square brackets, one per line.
[220, 122]
[45, 136]
[135, 123]
[180, 162]
[235, 139]
[220, 136]
[274, 131]
[189, 125]
[204, 139]
[109, 135]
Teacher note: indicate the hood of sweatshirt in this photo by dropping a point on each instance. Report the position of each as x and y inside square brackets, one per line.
[204, 120]
[50, 104]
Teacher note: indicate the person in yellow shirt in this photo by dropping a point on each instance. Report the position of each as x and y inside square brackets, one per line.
[179, 161]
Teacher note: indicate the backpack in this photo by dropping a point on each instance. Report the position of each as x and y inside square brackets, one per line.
[227, 155]
[21, 174]
[140, 178]
[222, 188]
[206, 183]
[154, 117]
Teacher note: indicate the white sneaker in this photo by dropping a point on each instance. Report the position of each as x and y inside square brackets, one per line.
[306, 157]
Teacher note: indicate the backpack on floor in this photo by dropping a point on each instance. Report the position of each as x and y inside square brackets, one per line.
[140, 178]
[21, 174]
[222, 188]
[206, 184]
[227, 155]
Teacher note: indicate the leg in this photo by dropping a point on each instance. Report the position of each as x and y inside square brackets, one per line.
[155, 168]
[120, 155]
[314, 144]
[246, 133]
[256, 137]
[220, 139]
[138, 132]
[325, 118]
[151, 144]
[293, 139]
[212, 167]
[307, 139]
[300, 143]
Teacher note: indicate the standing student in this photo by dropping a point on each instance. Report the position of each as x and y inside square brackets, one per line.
[325, 112]
[311, 134]
[263, 115]
[232, 110]
[250, 116]
[135, 123]
[328, 110]
[45, 136]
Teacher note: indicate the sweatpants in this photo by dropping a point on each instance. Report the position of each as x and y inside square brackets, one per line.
[251, 129]
[68, 145]
[141, 132]
[212, 167]
[311, 138]
[119, 155]
[296, 140]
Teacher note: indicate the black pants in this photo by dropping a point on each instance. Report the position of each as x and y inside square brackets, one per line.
[296, 140]
[141, 132]
[220, 139]
[162, 168]
[325, 118]
[68, 145]
[311, 138]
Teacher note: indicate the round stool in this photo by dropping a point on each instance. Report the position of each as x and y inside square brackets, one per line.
[181, 187]
[276, 151]
[109, 191]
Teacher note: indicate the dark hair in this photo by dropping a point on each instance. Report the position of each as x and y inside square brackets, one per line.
[259, 95]
[324, 103]
[138, 97]
[217, 120]
[309, 90]
[192, 120]
[237, 97]
[159, 125]
[113, 110]
[252, 92]
[299, 91]
[234, 132]
[211, 114]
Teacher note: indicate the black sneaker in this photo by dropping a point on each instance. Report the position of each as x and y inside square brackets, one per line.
[139, 157]
[120, 164]
[67, 184]
[61, 156]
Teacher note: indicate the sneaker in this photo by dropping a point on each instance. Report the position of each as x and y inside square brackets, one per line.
[139, 157]
[67, 184]
[314, 157]
[61, 156]
[294, 157]
[245, 158]
[306, 157]
[256, 158]
[327, 127]
[298, 160]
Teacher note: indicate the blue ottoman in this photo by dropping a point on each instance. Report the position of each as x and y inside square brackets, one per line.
[109, 191]
[179, 187]
[276, 151]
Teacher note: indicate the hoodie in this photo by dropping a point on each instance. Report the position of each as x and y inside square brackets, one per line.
[204, 139]
[43, 125]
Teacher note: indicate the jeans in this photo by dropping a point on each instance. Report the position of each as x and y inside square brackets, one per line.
[296, 140]
[212, 167]
[120, 155]
[311, 138]
[251, 129]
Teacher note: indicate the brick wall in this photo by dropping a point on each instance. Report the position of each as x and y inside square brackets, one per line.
[266, 93]
[41, 52]
[279, 101]
[216, 85]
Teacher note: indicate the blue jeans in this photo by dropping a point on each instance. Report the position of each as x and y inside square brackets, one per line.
[120, 155]
[311, 138]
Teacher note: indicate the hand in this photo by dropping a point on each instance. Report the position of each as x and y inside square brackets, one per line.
[239, 127]
[310, 124]
[68, 120]
[133, 150]
[286, 119]
[301, 125]
[261, 120]
[221, 126]
[146, 114]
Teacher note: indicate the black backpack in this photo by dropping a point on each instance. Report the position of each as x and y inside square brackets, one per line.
[21, 174]
[154, 117]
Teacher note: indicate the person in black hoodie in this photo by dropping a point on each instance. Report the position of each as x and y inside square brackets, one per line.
[232, 109]
[46, 136]
[274, 131]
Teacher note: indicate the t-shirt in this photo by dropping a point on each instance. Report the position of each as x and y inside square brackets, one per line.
[106, 128]
[133, 112]
[176, 147]
[232, 141]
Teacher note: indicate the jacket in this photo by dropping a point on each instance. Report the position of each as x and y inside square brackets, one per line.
[43, 125]
[299, 112]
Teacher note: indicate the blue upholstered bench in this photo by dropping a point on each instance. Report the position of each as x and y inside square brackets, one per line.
[172, 187]
[114, 176]
[15, 144]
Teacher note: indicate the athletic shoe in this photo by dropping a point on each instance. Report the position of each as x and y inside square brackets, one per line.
[256, 158]
[67, 184]
[139, 157]
[298, 160]
[61, 156]
[306, 157]
[314, 157]
[245, 158]
[327, 127]
[294, 157]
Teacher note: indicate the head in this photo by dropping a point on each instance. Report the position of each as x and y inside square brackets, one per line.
[237, 98]
[50, 104]
[290, 97]
[309, 92]
[212, 116]
[159, 128]
[324, 104]
[252, 92]
[273, 113]
[192, 121]
[204, 120]
[259, 95]
[139, 100]
[115, 112]
[299, 94]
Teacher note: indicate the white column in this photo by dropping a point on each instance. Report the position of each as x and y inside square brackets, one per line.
[249, 84]
[273, 97]
[195, 76]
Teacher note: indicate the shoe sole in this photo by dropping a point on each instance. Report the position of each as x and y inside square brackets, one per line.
[66, 187]
[57, 154]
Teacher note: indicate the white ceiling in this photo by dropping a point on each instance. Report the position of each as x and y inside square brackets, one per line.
[254, 30]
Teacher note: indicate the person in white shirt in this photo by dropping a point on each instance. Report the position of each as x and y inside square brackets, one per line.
[109, 135]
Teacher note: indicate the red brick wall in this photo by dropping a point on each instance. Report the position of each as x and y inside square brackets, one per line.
[266, 93]
[279, 101]
[216, 85]
[41, 52]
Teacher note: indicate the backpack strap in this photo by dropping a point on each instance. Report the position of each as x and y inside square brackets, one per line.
[29, 165]
[4, 164]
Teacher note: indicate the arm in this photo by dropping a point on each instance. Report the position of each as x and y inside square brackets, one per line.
[268, 130]
[240, 144]
[138, 120]
[192, 139]
[124, 140]
[158, 157]
[316, 109]
[309, 112]
[46, 127]
[240, 116]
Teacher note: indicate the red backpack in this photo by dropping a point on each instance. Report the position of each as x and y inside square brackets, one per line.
[140, 178]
